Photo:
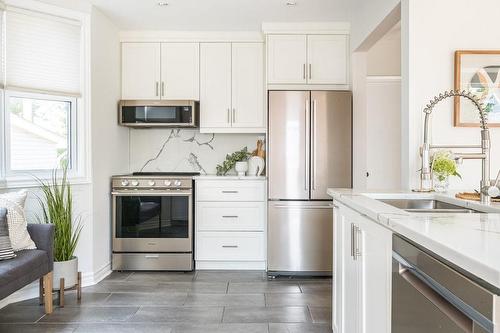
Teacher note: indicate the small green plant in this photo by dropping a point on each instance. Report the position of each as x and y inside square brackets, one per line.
[231, 159]
[57, 205]
[444, 165]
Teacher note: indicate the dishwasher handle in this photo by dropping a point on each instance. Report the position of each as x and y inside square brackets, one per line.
[455, 315]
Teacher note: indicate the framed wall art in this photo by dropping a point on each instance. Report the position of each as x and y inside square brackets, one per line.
[479, 72]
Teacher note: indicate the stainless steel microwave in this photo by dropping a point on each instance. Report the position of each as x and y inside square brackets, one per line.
[156, 113]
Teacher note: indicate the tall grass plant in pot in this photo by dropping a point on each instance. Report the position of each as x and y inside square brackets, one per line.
[56, 202]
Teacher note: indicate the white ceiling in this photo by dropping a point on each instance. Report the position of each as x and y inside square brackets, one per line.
[214, 15]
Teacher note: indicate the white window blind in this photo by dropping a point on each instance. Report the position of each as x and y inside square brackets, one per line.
[42, 53]
[2, 38]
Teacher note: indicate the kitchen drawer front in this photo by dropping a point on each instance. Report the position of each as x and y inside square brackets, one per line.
[231, 246]
[230, 190]
[230, 216]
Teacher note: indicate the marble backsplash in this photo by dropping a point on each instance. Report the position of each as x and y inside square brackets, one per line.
[169, 150]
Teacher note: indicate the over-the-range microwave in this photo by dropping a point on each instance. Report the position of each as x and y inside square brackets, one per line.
[156, 113]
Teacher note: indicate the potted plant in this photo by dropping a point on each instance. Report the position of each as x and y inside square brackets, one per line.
[57, 205]
[443, 166]
[237, 160]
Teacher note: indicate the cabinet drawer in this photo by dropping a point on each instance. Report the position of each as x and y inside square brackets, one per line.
[231, 246]
[230, 216]
[234, 190]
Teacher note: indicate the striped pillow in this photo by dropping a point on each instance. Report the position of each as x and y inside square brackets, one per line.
[6, 251]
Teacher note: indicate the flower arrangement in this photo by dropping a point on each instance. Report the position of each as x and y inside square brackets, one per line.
[444, 165]
[231, 159]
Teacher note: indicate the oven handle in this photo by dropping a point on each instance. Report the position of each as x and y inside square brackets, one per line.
[151, 193]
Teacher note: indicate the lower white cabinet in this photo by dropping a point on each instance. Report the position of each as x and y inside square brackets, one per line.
[362, 273]
[230, 224]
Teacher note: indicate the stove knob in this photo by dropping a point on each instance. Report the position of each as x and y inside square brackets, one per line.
[135, 183]
[151, 183]
[167, 182]
[124, 182]
[177, 183]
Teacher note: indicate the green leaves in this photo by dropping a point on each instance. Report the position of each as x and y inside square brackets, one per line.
[57, 205]
[230, 162]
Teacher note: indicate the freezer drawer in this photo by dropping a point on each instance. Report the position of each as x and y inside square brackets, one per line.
[300, 236]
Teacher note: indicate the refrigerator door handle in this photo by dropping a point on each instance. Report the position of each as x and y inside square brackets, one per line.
[313, 153]
[306, 143]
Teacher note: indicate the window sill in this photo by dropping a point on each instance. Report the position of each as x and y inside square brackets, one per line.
[30, 183]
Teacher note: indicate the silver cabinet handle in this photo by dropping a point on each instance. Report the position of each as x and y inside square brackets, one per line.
[353, 240]
[229, 116]
[230, 216]
[162, 88]
[151, 256]
[310, 71]
[157, 88]
[229, 191]
[234, 115]
[306, 158]
[448, 309]
[230, 246]
[313, 159]
[304, 71]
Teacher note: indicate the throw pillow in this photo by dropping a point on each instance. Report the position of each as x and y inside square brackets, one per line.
[6, 251]
[18, 228]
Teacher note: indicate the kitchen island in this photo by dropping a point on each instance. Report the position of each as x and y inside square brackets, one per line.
[364, 231]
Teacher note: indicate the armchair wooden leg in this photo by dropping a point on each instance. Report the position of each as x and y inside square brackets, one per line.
[61, 293]
[79, 287]
[47, 288]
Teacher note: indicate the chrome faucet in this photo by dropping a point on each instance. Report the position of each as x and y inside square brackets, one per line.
[486, 189]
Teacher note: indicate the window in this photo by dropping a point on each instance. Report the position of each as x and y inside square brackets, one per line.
[41, 83]
[39, 131]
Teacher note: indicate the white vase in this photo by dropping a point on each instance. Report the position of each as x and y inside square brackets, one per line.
[241, 168]
[255, 166]
[65, 269]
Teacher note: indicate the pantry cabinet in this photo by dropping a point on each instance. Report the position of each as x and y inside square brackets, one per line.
[232, 88]
[362, 278]
[307, 59]
[154, 71]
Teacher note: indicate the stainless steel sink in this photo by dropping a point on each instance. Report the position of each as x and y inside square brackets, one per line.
[426, 206]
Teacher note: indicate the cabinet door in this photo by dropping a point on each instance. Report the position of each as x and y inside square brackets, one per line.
[248, 85]
[338, 267]
[180, 71]
[141, 71]
[376, 267]
[286, 59]
[215, 86]
[327, 59]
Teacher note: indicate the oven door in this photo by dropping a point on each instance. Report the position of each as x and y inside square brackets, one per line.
[152, 221]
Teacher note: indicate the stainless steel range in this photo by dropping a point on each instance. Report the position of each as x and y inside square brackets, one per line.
[153, 221]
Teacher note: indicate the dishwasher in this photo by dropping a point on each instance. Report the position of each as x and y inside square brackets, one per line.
[429, 295]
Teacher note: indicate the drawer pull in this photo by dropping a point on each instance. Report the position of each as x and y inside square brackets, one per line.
[230, 246]
[230, 216]
[229, 191]
[151, 256]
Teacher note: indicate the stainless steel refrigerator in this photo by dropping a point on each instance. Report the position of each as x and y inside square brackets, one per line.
[309, 150]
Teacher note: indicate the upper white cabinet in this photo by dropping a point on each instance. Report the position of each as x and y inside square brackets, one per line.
[141, 71]
[362, 264]
[307, 59]
[160, 71]
[286, 59]
[232, 88]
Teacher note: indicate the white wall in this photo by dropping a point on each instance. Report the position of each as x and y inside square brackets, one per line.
[384, 58]
[109, 141]
[430, 70]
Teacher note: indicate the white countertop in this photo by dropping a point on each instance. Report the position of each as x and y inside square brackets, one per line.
[230, 177]
[470, 241]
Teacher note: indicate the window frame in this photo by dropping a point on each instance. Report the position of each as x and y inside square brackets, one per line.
[73, 136]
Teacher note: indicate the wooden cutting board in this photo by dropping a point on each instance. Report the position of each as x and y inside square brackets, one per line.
[472, 196]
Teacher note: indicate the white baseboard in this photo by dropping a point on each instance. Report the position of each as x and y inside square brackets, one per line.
[31, 290]
[231, 265]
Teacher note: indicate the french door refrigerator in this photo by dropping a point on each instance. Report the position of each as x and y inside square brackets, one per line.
[309, 150]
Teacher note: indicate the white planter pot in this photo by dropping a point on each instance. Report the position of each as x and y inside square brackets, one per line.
[241, 168]
[67, 270]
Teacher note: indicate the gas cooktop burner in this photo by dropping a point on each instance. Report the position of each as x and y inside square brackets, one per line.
[165, 174]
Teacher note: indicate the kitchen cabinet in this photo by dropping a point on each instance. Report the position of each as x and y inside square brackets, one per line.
[232, 88]
[362, 278]
[230, 224]
[154, 71]
[307, 59]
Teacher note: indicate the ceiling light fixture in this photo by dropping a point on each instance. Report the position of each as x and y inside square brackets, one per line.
[291, 3]
[162, 3]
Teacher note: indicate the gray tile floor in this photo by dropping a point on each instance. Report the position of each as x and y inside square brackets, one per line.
[205, 302]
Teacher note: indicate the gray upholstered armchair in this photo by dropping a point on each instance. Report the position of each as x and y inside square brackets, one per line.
[31, 265]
